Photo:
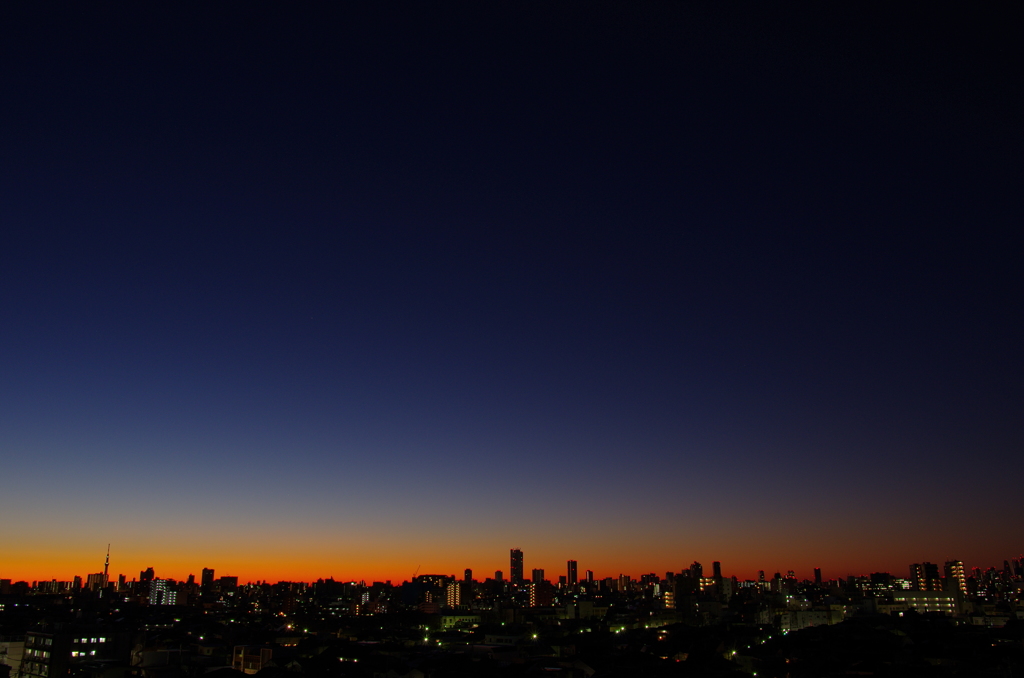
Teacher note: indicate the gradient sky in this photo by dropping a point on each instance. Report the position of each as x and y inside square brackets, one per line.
[297, 292]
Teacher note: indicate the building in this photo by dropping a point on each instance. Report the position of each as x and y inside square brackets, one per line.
[56, 652]
[923, 601]
[453, 594]
[516, 566]
[542, 594]
[925, 577]
[207, 579]
[162, 592]
[95, 582]
[250, 659]
[573, 578]
[537, 576]
[11, 652]
[956, 578]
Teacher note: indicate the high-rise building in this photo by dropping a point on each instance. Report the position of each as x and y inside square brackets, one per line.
[542, 594]
[956, 579]
[499, 576]
[207, 578]
[97, 581]
[590, 576]
[453, 595]
[716, 570]
[537, 576]
[162, 592]
[925, 577]
[516, 558]
[573, 579]
[467, 576]
[817, 576]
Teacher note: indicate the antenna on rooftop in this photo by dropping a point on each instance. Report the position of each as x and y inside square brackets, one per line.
[106, 564]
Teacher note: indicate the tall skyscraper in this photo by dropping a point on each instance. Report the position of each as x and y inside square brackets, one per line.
[516, 557]
[538, 576]
[817, 576]
[207, 580]
[573, 579]
[467, 576]
[716, 570]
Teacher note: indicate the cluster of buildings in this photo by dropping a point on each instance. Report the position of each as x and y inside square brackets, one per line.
[98, 628]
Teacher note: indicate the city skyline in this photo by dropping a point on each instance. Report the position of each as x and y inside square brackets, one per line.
[551, 573]
[302, 291]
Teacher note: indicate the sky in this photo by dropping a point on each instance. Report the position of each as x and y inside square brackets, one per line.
[299, 291]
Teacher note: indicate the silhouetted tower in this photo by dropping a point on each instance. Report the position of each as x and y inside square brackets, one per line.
[106, 565]
[207, 578]
[573, 578]
[516, 557]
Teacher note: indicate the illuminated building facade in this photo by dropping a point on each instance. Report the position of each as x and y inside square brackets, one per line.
[925, 577]
[956, 578]
[162, 592]
[453, 594]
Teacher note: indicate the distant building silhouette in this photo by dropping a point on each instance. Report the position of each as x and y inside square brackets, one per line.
[516, 566]
[207, 578]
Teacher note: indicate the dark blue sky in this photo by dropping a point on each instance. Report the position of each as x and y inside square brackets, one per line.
[732, 257]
